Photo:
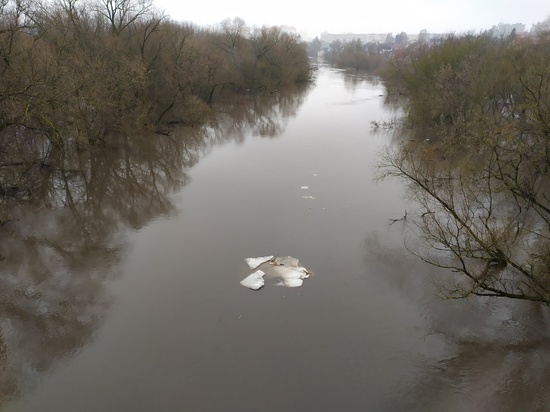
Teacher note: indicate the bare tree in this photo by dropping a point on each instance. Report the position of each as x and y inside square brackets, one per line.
[483, 180]
[470, 224]
[234, 30]
[120, 14]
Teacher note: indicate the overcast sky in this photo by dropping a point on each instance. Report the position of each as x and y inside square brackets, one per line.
[365, 16]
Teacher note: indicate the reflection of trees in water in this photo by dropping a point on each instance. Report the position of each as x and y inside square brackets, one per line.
[479, 354]
[63, 215]
[264, 116]
[63, 239]
[486, 377]
[354, 78]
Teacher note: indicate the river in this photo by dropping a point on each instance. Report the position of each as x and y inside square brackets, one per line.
[120, 287]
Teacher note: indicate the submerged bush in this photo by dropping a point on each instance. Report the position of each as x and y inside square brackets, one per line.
[482, 179]
[74, 73]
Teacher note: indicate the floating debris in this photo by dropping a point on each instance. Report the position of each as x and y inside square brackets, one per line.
[288, 269]
[304, 187]
[308, 197]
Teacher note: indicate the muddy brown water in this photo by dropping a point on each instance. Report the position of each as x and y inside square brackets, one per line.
[120, 288]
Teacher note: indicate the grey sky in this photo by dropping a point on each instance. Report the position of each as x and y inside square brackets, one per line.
[363, 16]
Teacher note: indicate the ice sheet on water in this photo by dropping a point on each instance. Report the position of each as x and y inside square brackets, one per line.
[288, 269]
[253, 263]
[290, 277]
[254, 281]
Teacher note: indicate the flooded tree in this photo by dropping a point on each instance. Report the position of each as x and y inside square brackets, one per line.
[480, 170]
[79, 75]
[354, 54]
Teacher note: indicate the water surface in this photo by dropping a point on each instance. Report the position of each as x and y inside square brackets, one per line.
[144, 312]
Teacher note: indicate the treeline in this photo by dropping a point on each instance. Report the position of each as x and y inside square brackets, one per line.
[74, 71]
[473, 77]
[480, 162]
[355, 55]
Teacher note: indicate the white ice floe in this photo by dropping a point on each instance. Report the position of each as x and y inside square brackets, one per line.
[290, 277]
[254, 281]
[287, 269]
[253, 263]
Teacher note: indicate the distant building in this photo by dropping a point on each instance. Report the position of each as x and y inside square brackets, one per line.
[289, 29]
[347, 37]
[365, 38]
[343, 37]
[504, 30]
